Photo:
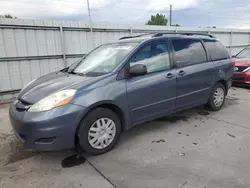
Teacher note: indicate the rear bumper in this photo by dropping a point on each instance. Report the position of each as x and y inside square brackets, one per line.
[48, 131]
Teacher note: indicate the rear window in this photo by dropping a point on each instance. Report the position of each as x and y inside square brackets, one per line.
[188, 52]
[216, 50]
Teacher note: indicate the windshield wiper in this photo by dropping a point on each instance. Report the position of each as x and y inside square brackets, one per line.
[64, 70]
[76, 73]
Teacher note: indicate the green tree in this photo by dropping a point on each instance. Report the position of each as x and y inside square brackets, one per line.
[158, 19]
[7, 16]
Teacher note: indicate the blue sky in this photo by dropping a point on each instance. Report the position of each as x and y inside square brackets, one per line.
[219, 13]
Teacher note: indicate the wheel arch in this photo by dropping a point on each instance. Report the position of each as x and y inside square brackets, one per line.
[224, 83]
[104, 104]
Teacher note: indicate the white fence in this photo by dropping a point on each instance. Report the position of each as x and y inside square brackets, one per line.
[32, 48]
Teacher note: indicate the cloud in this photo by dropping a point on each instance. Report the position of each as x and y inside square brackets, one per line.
[219, 13]
[164, 4]
[76, 6]
[48, 8]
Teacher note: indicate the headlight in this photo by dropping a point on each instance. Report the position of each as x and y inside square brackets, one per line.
[52, 101]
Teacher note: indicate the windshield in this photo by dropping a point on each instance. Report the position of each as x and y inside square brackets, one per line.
[102, 60]
[244, 53]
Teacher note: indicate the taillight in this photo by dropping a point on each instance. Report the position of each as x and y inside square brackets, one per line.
[233, 61]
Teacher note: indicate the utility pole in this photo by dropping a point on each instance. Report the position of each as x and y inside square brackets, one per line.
[170, 15]
[90, 23]
[209, 19]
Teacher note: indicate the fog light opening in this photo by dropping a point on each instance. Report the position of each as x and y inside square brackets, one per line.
[45, 140]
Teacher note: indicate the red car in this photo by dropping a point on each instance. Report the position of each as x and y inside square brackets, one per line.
[242, 68]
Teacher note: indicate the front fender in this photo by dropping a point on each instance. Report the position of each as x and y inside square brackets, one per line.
[114, 93]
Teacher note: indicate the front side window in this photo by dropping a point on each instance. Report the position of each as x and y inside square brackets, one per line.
[244, 53]
[103, 60]
[154, 56]
[188, 52]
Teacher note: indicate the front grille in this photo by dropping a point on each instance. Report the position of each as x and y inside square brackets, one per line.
[240, 68]
[24, 102]
[22, 105]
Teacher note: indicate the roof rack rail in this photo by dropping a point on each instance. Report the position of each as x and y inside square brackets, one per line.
[128, 37]
[165, 33]
[183, 33]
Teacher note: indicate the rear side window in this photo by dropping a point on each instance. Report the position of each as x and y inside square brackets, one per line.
[188, 52]
[216, 50]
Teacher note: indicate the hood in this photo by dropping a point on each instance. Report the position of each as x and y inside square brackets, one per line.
[242, 62]
[51, 83]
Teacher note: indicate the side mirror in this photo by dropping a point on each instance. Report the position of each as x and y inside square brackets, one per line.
[233, 56]
[138, 70]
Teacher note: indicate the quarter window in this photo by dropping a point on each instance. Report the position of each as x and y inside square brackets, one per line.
[188, 52]
[216, 50]
[154, 56]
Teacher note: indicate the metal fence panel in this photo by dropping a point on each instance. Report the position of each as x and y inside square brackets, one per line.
[31, 42]
[5, 84]
[240, 39]
[32, 48]
[2, 48]
[223, 37]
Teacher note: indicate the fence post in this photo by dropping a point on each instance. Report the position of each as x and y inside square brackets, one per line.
[131, 30]
[249, 39]
[231, 41]
[63, 46]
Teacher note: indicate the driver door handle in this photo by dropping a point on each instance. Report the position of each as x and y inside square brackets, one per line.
[170, 75]
[181, 73]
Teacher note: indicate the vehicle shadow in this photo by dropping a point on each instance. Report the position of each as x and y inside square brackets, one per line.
[242, 87]
[165, 123]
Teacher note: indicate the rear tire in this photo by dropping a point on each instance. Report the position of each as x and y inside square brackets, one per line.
[99, 131]
[217, 97]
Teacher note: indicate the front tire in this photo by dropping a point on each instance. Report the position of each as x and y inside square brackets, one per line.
[217, 97]
[99, 131]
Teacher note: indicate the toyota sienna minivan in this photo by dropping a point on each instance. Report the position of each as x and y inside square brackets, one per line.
[119, 85]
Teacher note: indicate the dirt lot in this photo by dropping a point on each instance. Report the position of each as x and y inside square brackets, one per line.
[195, 148]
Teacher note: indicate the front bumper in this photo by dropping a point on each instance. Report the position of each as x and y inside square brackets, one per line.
[242, 78]
[48, 131]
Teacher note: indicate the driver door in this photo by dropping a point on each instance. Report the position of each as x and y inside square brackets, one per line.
[153, 94]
